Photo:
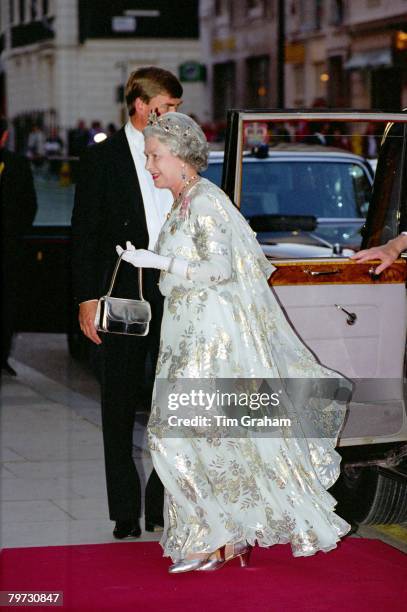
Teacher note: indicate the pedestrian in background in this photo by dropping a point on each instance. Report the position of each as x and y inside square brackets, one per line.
[116, 201]
[18, 208]
[371, 140]
[53, 149]
[77, 142]
[35, 145]
[111, 129]
[78, 139]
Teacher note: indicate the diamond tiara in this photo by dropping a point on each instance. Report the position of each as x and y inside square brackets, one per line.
[165, 124]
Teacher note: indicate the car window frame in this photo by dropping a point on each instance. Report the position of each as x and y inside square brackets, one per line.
[374, 230]
[234, 144]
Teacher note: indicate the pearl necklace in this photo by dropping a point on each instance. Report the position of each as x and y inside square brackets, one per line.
[181, 194]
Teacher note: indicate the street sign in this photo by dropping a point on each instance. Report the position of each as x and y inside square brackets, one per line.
[192, 72]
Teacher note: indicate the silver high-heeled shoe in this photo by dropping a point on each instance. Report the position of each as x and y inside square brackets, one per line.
[186, 565]
[241, 550]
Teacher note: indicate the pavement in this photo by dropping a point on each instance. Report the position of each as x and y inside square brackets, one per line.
[52, 489]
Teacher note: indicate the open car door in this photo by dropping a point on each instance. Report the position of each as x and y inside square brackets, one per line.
[353, 321]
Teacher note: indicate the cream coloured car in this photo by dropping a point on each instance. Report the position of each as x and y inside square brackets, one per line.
[354, 321]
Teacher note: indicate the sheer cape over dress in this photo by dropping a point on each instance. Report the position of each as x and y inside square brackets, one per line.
[226, 323]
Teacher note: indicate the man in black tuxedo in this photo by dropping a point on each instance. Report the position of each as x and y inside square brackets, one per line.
[116, 201]
[18, 208]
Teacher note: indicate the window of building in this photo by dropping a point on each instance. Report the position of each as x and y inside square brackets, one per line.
[253, 4]
[223, 10]
[221, 7]
[299, 83]
[34, 9]
[301, 10]
[21, 11]
[318, 14]
[258, 70]
[305, 16]
[224, 78]
[11, 11]
[231, 11]
[337, 12]
[272, 9]
[337, 85]
[48, 7]
[310, 14]
[255, 8]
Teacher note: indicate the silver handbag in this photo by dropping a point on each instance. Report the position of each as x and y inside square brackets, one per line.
[121, 315]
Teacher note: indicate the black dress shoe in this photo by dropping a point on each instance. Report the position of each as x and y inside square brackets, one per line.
[156, 524]
[127, 529]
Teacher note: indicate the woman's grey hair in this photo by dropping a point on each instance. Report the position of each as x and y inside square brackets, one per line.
[182, 135]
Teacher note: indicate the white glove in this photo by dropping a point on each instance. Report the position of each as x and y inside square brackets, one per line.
[141, 258]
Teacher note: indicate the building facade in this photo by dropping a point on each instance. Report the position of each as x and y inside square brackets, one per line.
[239, 46]
[337, 53]
[348, 53]
[65, 60]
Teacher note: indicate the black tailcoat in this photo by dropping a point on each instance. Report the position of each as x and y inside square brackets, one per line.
[108, 211]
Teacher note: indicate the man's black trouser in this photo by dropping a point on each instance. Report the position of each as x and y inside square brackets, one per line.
[126, 389]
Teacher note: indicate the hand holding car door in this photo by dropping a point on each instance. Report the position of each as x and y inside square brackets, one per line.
[387, 253]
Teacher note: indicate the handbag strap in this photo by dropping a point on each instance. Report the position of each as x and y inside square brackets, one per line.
[140, 278]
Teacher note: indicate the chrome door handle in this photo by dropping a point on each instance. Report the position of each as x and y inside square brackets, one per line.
[351, 318]
[320, 272]
[372, 274]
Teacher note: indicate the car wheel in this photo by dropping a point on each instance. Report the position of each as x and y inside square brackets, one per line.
[372, 496]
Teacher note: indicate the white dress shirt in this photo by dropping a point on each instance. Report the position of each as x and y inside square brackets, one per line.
[157, 202]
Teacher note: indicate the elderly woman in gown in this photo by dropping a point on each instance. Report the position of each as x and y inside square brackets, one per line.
[222, 321]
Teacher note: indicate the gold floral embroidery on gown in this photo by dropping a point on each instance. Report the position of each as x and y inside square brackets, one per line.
[221, 489]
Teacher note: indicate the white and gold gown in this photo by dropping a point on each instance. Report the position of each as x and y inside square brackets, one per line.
[225, 323]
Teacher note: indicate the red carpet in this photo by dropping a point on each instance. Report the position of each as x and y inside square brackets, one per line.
[359, 575]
